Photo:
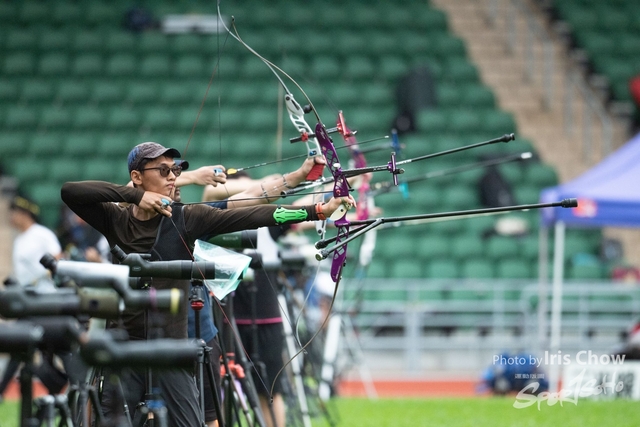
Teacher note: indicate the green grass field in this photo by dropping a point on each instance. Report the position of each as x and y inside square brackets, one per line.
[480, 412]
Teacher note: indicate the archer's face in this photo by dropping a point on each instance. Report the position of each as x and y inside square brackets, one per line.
[150, 179]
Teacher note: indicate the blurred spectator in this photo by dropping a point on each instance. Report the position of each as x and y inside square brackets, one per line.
[81, 241]
[32, 242]
[625, 274]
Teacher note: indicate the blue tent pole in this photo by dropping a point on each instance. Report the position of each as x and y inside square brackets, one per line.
[556, 303]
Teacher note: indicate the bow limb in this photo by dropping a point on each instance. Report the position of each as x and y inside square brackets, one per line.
[366, 203]
[296, 113]
[340, 189]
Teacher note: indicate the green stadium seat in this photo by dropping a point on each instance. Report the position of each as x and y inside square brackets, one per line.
[123, 119]
[254, 69]
[13, 144]
[66, 13]
[359, 67]
[596, 42]
[467, 246]
[513, 173]
[118, 42]
[325, 67]
[185, 44]
[540, 174]
[449, 95]
[497, 122]
[628, 45]
[190, 66]
[54, 41]
[432, 121]
[19, 65]
[447, 46]
[89, 118]
[80, 145]
[88, 42]
[525, 194]
[391, 66]
[159, 118]
[514, 269]
[102, 170]
[107, 92]
[271, 94]
[586, 271]
[479, 225]
[431, 19]
[55, 119]
[224, 68]
[186, 118]
[9, 91]
[460, 70]
[54, 65]
[378, 268]
[103, 13]
[501, 247]
[141, 93]
[153, 42]
[36, 91]
[85, 65]
[477, 96]
[464, 122]
[116, 144]
[21, 40]
[45, 145]
[478, 269]
[156, 66]
[295, 66]
[177, 93]
[29, 169]
[8, 13]
[442, 269]
[612, 20]
[460, 198]
[376, 94]
[433, 246]
[411, 44]
[239, 94]
[47, 195]
[530, 247]
[406, 268]
[72, 92]
[34, 13]
[123, 65]
[64, 169]
[21, 118]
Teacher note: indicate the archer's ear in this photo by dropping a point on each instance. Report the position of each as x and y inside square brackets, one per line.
[136, 177]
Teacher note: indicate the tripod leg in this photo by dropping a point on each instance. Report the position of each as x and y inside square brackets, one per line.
[213, 384]
[62, 403]
[295, 367]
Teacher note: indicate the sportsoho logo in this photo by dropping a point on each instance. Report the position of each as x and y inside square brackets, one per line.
[595, 378]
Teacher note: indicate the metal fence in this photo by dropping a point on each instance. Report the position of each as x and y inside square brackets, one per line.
[489, 316]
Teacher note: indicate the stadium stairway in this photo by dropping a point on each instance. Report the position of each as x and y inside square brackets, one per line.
[504, 71]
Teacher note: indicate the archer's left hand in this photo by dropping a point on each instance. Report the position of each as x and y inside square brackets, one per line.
[344, 203]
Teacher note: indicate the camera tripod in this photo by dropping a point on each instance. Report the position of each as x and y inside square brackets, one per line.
[235, 365]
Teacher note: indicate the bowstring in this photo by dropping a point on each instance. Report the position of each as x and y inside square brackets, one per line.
[284, 311]
[274, 67]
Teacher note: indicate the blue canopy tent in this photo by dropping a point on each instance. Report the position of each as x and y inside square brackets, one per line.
[608, 195]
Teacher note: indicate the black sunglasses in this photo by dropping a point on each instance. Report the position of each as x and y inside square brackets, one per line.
[164, 170]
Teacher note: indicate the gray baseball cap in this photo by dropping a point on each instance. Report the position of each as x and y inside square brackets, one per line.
[149, 150]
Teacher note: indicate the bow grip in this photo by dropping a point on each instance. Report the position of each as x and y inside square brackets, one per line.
[315, 172]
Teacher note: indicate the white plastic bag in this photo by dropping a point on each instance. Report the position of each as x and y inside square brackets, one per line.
[230, 266]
